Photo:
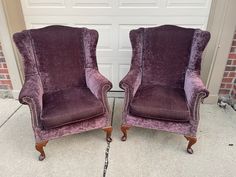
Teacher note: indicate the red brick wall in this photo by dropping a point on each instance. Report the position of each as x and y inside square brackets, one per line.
[228, 84]
[5, 81]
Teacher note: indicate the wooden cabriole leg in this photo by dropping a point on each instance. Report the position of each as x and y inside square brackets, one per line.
[124, 129]
[108, 131]
[39, 147]
[191, 141]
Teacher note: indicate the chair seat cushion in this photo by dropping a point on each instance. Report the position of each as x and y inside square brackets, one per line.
[161, 103]
[69, 106]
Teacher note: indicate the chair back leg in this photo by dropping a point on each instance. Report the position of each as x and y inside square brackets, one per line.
[124, 129]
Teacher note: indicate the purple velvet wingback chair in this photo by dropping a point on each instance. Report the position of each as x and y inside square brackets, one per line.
[63, 88]
[163, 88]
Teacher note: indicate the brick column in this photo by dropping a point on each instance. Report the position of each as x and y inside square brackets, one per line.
[5, 81]
[228, 84]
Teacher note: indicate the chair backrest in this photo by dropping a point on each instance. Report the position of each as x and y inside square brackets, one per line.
[56, 53]
[165, 54]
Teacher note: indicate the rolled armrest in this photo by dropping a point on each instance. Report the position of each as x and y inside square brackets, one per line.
[32, 95]
[131, 81]
[194, 88]
[97, 83]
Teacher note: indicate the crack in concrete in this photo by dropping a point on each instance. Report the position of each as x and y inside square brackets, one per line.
[108, 144]
[106, 162]
[10, 117]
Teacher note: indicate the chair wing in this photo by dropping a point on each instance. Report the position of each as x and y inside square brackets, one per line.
[193, 86]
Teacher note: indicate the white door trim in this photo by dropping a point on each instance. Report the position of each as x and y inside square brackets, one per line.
[9, 53]
[224, 22]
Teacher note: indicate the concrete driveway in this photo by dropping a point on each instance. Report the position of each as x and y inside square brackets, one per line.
[146, 153]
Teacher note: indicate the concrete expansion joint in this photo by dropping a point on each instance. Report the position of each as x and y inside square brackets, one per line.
[9, 117]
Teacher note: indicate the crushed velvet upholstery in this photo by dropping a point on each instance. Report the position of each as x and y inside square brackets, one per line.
[48, 54]
[163, 88]
[69, 106]
[63, 87]
[172, 106]
[166, 49]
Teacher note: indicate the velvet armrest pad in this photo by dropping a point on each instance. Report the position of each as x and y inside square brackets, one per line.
[194, 86]
[97, 83]
[32, 92]
[131, 81]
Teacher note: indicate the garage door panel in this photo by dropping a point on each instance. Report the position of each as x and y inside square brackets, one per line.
[116, 12]
[157, 20]
[91, 3]
[139, 3]
[114, 19]
[102, 54]
[124, 47]
[45, 3]
[69, 19]
[123, 70]
[114, 60]
[41, 25]
[105, 35]
[39, 21]
[119, 20]
[124, 41]
[107, 70]
[188, 3]
[116, 7]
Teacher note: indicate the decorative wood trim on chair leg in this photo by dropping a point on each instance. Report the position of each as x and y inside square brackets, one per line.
[191, 141]
[39, 147]
[108, 131]
[124, 129]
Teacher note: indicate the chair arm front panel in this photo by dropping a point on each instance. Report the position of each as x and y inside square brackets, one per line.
[194, 90]
[32, 95]
[130, 84]
[98, 85]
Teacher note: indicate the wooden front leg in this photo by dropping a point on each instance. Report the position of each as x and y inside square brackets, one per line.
[39, 147]
[191, 141]
[108, 131]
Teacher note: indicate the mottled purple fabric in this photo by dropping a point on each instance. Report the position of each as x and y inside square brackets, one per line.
[56, 59]
[166, 49]
[69, 106]
[136, 38]
[171, 104]
[169, 56]
[90, 44]
[23, 42]
[32, 94]
[194, 86]
[79, 127]
[98, 85]
[131, 82]
[200, 40]
[175, 127]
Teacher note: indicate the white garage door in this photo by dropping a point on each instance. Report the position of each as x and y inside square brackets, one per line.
[113, 19]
